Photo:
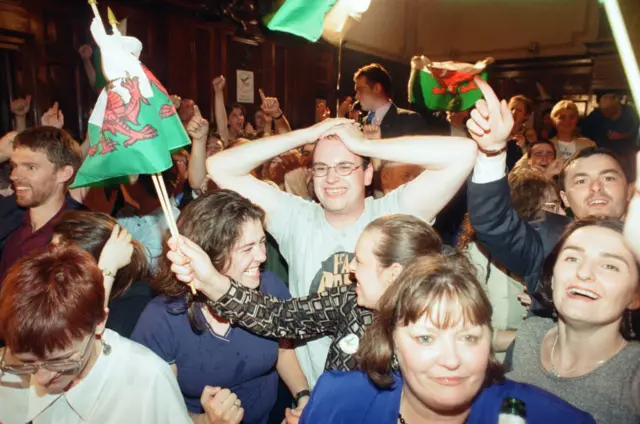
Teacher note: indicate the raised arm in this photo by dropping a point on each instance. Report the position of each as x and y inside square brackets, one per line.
[220, 110]
[231, 169]
[198, 130]
[271, 107]
[512, 241]
[447, 162]
[298, 318]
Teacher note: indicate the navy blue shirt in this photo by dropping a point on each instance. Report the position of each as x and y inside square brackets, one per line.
[239, 361]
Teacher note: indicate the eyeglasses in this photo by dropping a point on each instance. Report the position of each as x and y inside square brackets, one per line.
[344, 169]
[64, 366]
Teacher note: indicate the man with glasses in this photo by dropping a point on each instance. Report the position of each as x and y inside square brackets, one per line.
[318, 240]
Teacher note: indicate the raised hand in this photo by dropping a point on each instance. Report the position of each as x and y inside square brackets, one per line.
[20, 107]
[198, 127]
[176, 100]
[221, 406]
[192, 265]
[117, 252]
[554, 168]
[270, 105]
[632, 220]
[85, 51]
[53, 117]
[218, 84]
[491, 121]
[345, 106]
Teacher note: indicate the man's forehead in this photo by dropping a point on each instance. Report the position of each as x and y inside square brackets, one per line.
[542, 147]
[594, 165]
[25, 154]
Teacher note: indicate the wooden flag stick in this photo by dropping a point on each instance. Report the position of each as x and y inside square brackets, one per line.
[165, 202]
[113, 21]
[94, 7]
[625, 50]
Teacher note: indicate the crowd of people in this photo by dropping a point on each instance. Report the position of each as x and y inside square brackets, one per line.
[357, 270]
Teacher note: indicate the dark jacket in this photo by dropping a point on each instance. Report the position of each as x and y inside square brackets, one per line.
[518, 245]
[398, 122]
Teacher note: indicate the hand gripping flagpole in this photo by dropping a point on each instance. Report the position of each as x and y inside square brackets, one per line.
[158, 181]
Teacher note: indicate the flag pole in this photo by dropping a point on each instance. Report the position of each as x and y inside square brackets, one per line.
[625, 50]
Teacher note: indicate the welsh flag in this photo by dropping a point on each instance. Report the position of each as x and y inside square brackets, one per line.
[134, 126]
[303, 18]
[445, 85]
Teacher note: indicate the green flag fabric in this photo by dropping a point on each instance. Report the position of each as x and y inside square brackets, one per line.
[129, 133]
[445, 86]
[303, 18]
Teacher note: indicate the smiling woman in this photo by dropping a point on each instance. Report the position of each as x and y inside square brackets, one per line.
[203, 348]
[428, 358]
[586, 357]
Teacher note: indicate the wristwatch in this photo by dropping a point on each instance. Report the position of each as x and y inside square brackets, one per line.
[300, 395]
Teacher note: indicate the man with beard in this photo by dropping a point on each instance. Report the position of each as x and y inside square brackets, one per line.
[44, 162]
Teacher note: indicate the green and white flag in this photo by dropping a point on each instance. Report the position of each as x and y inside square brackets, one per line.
[134, 126]
[303, 18]
[445, 85]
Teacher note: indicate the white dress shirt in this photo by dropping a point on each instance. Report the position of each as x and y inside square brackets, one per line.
[380, 113]
[130, 385]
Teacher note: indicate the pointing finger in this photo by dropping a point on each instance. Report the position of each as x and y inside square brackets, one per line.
[262, 96]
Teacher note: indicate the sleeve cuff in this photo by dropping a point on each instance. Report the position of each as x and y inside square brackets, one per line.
[489, 169]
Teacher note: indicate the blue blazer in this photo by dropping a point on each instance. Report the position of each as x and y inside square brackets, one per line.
[351, 398]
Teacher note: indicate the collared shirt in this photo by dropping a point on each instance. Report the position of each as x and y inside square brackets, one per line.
[378, 114]
[23, 240]
[130, 385]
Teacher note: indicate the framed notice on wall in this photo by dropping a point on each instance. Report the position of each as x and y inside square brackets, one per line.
[244, 86]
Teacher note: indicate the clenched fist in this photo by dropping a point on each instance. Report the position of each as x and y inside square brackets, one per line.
[20, 107]
[221, 406]
[219, 83]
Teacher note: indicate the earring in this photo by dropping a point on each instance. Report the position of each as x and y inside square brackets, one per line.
[106, 348]
[395, 365]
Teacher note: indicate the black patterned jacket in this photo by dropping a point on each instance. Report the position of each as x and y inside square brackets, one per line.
[333, 313]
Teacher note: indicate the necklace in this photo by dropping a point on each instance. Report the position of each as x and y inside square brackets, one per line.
[401, 419]
[554, 370]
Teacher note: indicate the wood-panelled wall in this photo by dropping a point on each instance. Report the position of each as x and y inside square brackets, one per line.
[39, 41]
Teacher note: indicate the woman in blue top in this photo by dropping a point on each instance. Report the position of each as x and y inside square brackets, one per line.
[203, 349]
[427, 357]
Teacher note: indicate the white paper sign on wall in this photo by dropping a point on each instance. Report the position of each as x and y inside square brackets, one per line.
[244, 86]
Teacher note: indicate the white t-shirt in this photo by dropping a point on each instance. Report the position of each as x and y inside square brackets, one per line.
[130, 385]
[566, 149]
[319, 254]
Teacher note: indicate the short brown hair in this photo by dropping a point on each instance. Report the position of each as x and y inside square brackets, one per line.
[214, 222]
[91, 231]
[528, 192]
[49, 299]
[403, 239]
[425, 282]
[61, 149]
[376, 74]
[519, 98]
